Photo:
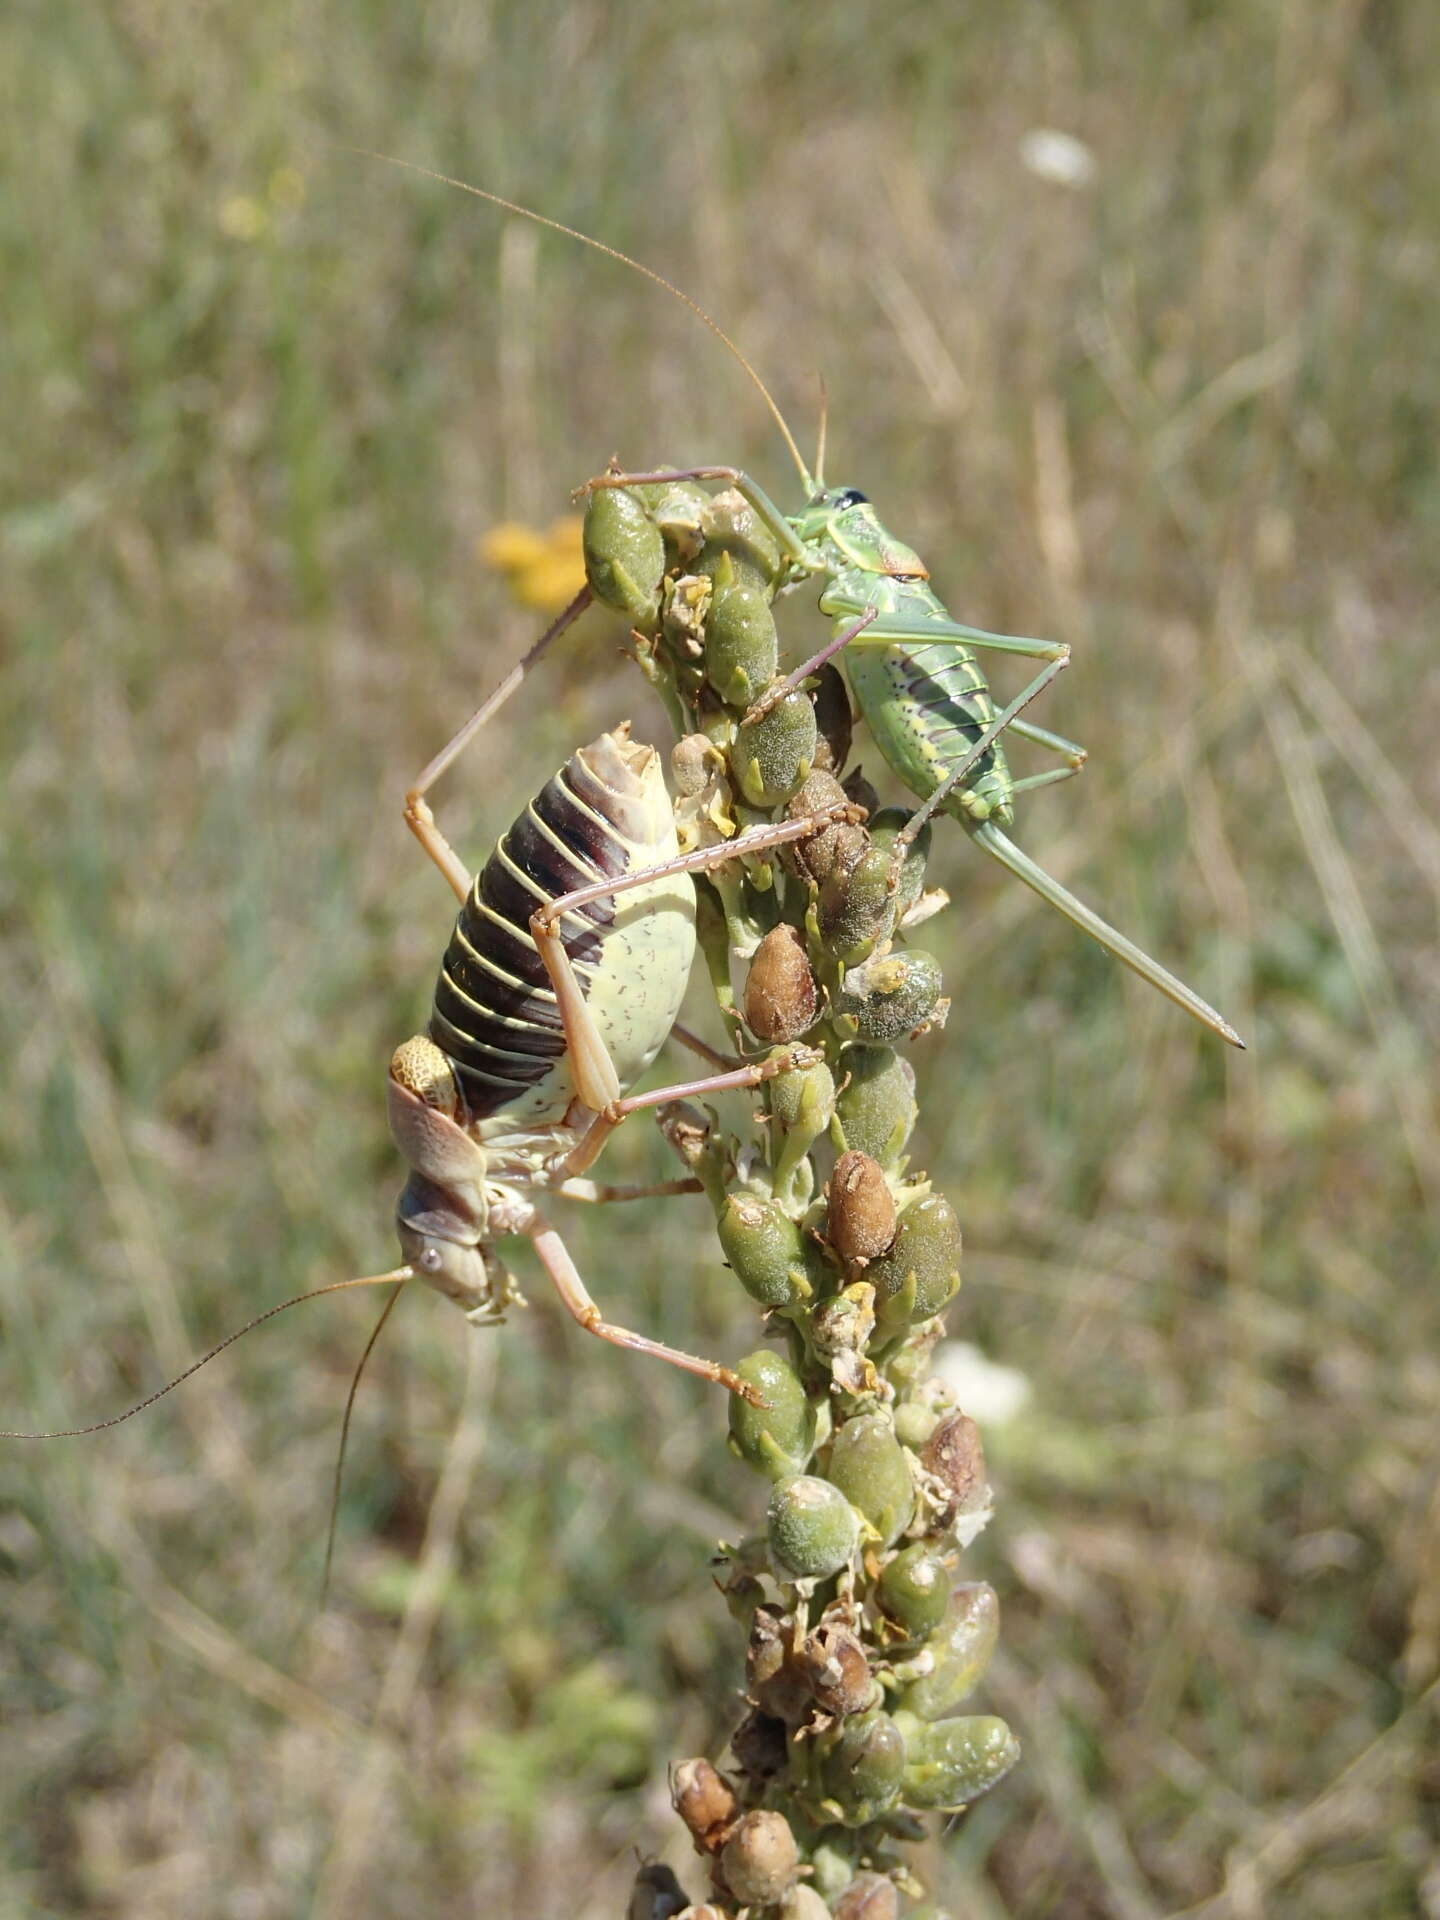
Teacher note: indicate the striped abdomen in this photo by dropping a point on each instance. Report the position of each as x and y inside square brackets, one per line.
[605, 814]
[926, 705]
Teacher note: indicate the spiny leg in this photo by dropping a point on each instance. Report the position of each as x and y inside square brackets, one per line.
[782, 691]
[989, 836]
[596, 1081]
[565, 1277]
[418, 817]
[753, 1074]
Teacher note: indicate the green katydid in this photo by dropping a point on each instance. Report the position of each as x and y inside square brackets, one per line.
[912, 668]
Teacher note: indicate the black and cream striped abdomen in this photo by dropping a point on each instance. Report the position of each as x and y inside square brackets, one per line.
[605, 814]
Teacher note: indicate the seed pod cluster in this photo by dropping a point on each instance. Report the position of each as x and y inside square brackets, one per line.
[867, 1642]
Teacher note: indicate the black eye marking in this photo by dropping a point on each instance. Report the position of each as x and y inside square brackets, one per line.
[851, 497]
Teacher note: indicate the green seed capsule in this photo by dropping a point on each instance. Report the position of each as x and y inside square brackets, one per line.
[862, 1771]
[875, 1105]
[960, 1648]
[736, 534]
[833, 1859]
[857, 908]
[772, 756]
[678, 509]
[953, 1762]
[868, 1465]
[624, 553]
[914, 1590]
[741, 647]
[766, 1249]
[812, 1528]
[914, 1421]
[885, 828]
[889, 997]
[778, 1438]
[801, 1104]
[920, 1274]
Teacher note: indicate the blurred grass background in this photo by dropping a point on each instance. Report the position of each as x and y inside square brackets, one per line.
[261, 397]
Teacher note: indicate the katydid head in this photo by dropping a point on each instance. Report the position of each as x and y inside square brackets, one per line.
[844, 517]
[825, 507]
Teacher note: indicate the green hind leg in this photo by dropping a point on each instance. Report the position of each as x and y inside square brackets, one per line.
[1074, 755]
[892, 628]
[989, 836]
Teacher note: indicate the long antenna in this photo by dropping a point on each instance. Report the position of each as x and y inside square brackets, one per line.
[375, 1332]
[573, 233]
[399, 1276]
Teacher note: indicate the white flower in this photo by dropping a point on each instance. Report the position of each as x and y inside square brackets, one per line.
[1057, 156]
[989, 1393]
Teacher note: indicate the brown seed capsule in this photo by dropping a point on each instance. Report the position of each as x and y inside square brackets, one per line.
[861, 792]
[761, 1746]
[840, 845]
[772, 1679]
[760, 1858]
[869, 1896]
[954, 1455]
[844, 1324]
[857, 908]
[705, 1801]
[781, 998]
[862, 1209]
[833, 1661]
[693, 760]
[831, 699]
[802, 1902]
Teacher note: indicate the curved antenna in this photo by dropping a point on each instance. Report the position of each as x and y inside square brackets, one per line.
[375, 1332]
[820, 442]
[399, 1276]
[573, 233]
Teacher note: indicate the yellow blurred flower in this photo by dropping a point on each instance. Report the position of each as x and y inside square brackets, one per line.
[542, 570]
[242, 217]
